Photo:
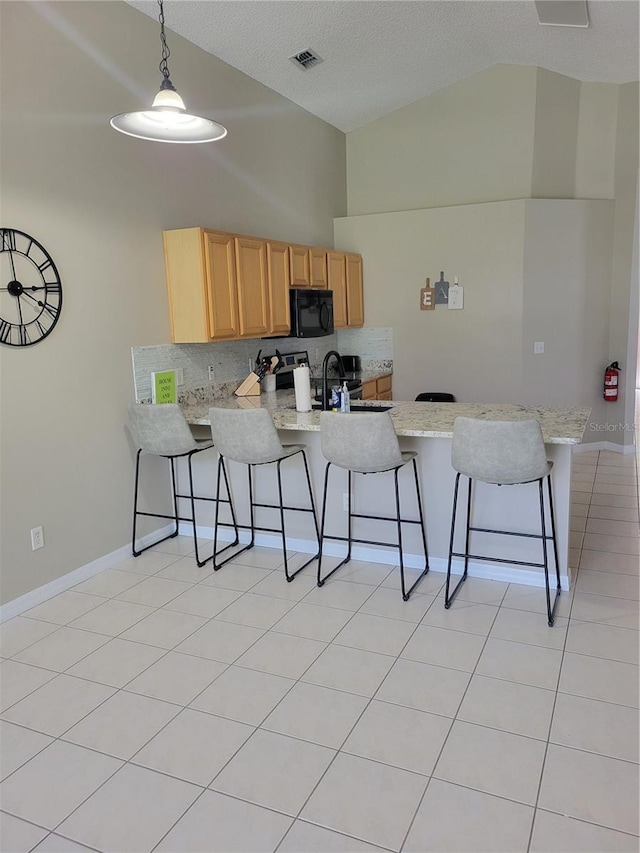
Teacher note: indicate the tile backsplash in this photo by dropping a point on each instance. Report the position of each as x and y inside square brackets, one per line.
[232, 360]
[369, 344]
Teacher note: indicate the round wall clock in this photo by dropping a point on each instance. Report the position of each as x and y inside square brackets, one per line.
[30, 290]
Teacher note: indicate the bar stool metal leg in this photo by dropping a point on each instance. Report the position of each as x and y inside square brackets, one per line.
[553, 535]
[321, 580]
[397, 519]
[448, 598]
[407, 593]
[281, 506]
[399, 528]
[216, 521]
[193, 511]
[136, 513]
[551, 610]
[349, 515]
[291, 575]
[193, 498]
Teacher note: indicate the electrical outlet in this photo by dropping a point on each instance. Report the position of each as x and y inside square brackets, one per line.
[37, 538]
[212, 373]
[538, 347]
[179, 376]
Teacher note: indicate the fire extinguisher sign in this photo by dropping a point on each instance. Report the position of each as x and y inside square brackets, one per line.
[611, 374]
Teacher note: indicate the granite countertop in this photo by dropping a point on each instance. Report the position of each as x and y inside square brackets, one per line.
[368, 375]
[424, 420]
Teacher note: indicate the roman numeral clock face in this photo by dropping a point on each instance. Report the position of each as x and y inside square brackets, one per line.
[30, 290]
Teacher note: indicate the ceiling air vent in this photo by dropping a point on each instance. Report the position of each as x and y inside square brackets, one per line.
[306, 59]
[562, 13]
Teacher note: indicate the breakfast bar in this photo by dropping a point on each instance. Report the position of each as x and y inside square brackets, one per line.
[426, 428]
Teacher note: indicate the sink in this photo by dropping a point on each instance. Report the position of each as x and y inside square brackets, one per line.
[358, 408]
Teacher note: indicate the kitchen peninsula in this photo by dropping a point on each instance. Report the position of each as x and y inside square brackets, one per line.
[427, 428]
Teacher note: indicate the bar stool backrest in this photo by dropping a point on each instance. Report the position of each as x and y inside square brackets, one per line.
[362, 442]
[504, 452]
[246, 435]
[435, 397]
[160, 429]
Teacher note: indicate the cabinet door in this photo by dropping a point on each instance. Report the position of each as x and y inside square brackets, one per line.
[299, 266]
[318, 267]
[187, 289]
[251, 276]
[384, 385]
[355, 299]
[221, 278]
[369, 390]
[385, 395]
[278, 277]
[337, 279]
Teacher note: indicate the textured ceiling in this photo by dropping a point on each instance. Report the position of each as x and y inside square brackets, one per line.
[379, 56]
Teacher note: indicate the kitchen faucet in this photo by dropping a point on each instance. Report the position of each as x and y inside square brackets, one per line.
[325, 381]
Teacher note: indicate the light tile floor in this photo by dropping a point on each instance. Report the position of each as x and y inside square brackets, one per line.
[160, 707]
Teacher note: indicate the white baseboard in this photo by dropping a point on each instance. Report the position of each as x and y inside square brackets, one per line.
[266, 540]
[489, 571]
[65, 582]
[603, 445]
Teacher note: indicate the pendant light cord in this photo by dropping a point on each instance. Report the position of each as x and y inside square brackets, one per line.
[166, 53]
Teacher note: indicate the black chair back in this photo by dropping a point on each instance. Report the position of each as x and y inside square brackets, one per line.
[435, 397]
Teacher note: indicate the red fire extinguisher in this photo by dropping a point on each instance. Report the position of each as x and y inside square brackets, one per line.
[610, 392]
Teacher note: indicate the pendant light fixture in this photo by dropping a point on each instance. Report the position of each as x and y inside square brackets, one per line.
[167, 120]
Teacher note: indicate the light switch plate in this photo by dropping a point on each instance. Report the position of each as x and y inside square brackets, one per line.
[538, 347]
[456, 297]
[179, 375]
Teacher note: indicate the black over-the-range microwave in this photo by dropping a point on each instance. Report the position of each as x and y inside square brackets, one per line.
[311, 313]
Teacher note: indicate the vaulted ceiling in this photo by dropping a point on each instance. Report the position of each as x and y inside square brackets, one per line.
[379, 55]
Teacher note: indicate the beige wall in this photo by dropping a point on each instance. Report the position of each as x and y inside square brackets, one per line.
[471, 142]
[555, 135]
[518, 132]
[596, 143]
[444, 350]
[532, 270]
[99, 201]
[567, 258]
[625, 284]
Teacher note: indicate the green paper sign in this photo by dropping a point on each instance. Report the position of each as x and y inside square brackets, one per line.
[163, 386]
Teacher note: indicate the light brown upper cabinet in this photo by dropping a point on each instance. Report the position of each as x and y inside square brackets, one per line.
[299, 266]
[251, 278]
[344, 273]
[337, 278]
[279, 277]
[225, 286]
[201, 284]
[318, 267]
[217, 285]
[355, 296]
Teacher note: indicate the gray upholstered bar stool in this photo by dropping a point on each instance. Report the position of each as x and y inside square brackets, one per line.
[249, 437]
[502, 453]
[162, 430]
[367, 443]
